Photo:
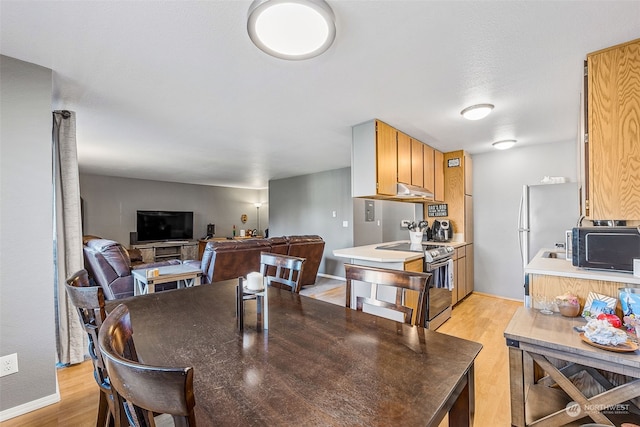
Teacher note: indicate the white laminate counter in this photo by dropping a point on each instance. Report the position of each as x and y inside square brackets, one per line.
[371, 254]
[563, 268]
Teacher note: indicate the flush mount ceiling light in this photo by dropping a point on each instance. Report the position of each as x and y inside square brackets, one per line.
[504, 144]
[477, 112]
[291, 29]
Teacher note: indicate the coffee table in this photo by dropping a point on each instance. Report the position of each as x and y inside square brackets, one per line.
[186, 276]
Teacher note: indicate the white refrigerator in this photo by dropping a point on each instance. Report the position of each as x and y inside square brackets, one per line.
[546, 212]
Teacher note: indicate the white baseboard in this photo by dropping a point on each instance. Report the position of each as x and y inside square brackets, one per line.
[498, 296]
[328, 276]
[30, 406]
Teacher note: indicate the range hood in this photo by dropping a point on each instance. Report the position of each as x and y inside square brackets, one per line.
[412, 191]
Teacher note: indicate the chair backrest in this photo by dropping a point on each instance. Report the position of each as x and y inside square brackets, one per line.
[152, 389]
[282, 271]
[403, 281]
[89, 302]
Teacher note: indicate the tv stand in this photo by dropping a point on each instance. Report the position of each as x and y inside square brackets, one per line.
[162, 251]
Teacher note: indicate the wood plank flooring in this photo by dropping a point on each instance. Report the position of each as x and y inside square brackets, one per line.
[478, 318]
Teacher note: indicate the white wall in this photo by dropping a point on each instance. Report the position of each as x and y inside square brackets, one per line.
[110, 205]
[498, 178]
[26, 243]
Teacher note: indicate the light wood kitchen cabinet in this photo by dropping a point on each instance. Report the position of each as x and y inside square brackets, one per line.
[438, 176]
[417, 164]
[416, 265]
[383, 156]
[386, 162]
[404, 158]
[459, 275]
[612, 140]
[374, 166]
[469, 270]
[457, 178]
[411, 165]
[429, 168]
[553, 286]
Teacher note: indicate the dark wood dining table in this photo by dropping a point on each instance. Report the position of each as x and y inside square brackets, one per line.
[317, 364]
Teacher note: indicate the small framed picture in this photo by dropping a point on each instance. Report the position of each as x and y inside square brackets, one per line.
[597, 304]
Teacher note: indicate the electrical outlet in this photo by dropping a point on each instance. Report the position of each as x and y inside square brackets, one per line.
[8, 364]
[405, 223]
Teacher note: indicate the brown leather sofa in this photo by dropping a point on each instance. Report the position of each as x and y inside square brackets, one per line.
[230, 259]
[109, 266]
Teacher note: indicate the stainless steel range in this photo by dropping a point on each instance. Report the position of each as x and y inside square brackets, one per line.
[437, 261]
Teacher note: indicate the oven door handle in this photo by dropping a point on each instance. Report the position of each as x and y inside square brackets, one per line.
[435, 265]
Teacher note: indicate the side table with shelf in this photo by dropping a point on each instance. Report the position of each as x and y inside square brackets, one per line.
[543, 394]
[162, 251]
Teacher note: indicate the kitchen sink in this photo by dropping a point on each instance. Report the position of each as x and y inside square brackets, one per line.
[554, 254]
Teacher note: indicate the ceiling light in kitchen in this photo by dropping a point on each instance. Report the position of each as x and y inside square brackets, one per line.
[291, 29]
[504, 144]
[477, 112]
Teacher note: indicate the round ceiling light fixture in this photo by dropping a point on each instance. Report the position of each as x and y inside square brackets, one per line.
[505, 144]
[477, 112]
[291, 29]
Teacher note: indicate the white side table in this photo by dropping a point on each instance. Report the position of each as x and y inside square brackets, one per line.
[185, 275]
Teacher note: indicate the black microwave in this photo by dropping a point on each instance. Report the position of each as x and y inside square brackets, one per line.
[605, 248]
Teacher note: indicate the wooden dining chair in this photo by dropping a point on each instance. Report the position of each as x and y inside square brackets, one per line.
[151, 390]
[411, 306]
[89, 302]
[282, 271]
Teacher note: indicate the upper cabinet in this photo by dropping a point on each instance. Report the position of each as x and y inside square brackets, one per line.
[458, 193]
[404, 158]
[612, 140]
[383, 156]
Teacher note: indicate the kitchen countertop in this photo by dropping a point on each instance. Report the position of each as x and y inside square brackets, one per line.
[563, 268]
[370, 253]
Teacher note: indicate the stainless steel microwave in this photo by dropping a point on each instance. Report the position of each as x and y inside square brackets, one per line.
[605, 248]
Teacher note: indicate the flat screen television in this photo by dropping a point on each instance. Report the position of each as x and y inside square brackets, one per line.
[164, 225]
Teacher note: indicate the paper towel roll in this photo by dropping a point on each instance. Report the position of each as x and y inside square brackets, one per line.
[255, 281]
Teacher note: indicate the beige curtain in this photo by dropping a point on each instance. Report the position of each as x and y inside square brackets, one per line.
[71, 338]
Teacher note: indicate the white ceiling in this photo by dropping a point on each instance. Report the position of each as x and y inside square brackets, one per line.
[175, 91]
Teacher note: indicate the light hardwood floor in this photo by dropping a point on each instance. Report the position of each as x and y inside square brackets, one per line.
[478, 318]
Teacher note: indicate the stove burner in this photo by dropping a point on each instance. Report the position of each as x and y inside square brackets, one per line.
[431, 252]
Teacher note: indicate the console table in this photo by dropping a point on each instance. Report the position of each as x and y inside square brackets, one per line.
[542, 393]
[161, 251]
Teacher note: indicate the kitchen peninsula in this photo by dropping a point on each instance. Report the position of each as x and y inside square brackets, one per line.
[552, 275]
[370, 256]
[450, 279]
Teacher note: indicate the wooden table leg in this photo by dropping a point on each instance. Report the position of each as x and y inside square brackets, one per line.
[239, 305]
[461, 413]
[516, 384]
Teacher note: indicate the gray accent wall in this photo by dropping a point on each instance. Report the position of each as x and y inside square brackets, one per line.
[498, 178]
[305, 205]
[110, 205]
[26, 244]
[386, 224]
